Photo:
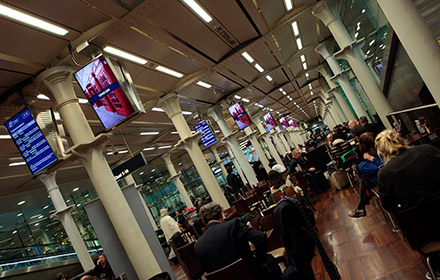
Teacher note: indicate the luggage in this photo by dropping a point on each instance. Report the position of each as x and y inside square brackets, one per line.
[339, 180]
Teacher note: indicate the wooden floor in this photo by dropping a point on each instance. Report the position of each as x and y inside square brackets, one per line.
[363, 248]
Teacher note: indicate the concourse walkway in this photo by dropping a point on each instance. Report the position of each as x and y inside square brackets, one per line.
[363, 248]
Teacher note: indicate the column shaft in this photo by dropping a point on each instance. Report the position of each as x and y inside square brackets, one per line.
[258, 149]
[344, 105]
[176, 179]
[237, 166]
[219, 161]
[269, 144]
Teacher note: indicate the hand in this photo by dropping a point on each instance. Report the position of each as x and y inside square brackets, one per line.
[369, 157]
[313, 169]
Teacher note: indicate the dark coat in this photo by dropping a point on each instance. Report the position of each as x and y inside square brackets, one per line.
[410, 178]
[224, 243]
[235, 182]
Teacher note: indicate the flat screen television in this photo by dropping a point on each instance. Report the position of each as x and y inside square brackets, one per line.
[208, 135]
[240, 115]
[284, 123]
[270, 121]
[30, 141]
[109, 90]
[292, 123]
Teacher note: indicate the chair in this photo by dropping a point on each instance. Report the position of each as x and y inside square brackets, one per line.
[422, 230]
[235, 271]
[241, 206]
[189, 261]
[267, 223]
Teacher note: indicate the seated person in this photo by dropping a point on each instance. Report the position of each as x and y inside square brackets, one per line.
[225, 242]
[369, 167]
[102, 269]
[410, 176]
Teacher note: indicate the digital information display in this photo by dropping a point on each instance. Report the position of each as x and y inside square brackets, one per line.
[208, 136]
[104, 92]
[270, 121]
[129, 166]
[292, 124]
[30, 141]
[240, 115]
[284, 123]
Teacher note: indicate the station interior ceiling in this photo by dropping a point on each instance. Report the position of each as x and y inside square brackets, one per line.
[168, 34]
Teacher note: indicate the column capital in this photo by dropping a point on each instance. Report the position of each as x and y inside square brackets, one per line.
[166, 158]
[350, 50]
[49, 181]
[192, 141]
[62, 213]
[170, 103]
[323, 49]
[342, 75]
[216, 112]
[326, 11]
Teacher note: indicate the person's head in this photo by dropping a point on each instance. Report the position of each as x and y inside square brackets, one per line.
[389, 143]
[275, 179]
[357, 130]
[229, 169]
[297, 154]
[61, 276]
[88, 277]
[163, 212]
[351, 124]
[330, 138]
[363, 120]
[211, 211]
[102, 259]
[366, 143]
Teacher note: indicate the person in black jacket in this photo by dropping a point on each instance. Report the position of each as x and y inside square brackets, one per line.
[225, 242]
[259, 170]
[102, 269]
[233, 180]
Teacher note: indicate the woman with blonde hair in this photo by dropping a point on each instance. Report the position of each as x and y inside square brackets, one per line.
[411, 175]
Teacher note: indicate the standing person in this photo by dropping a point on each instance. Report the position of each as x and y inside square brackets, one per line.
[234, 181]
[259, 170]
[102, 269]
[369, 127]
[168, 225]
[410, 176]
[369, 167]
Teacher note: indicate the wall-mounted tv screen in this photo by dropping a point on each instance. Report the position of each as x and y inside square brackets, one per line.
[240, 115]
[30, 141]
[208, 135]
[107, 91]
[292, 123]
[284, 123]
[270, 121]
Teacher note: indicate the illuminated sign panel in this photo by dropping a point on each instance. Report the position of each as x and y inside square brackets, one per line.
[240, 115]
[208, 136]
[270, 121]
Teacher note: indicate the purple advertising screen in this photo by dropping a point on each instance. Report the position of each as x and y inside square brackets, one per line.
[104, 92]
[284, 123]
[292, 124]
[240, 115]
[270, 121]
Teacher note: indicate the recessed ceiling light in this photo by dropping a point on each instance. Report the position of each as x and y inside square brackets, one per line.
[5, 137]
[310, 86]
[125, 55]
[259, 68]
[303, 58]
[247, 57]
[304, 65]
[372, 42]
[123, 151]
[198, 10]
[363, 11]
[149, 133]
[174, 132]
[203, 84]
[245, 100]
[75, 189]
[148, 149]
[165, 147]
[31, 20]
[19, 214]
[311, 93]
[307, 75]
[157, 109]
[186, 113]
[269, 78]
[356, 35]
[21, 202]
[45, 207]
[154, 169]
[288, 4]
[83, 100]
[295, 28]
[237, 97]
[17, 163]
[299, 43]
[42, 97]
[168, 71]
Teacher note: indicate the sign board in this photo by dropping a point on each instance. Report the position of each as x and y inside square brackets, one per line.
[284, 123]
[292, 123]
[240, 115]
[129, 166]
[30, 141]
[270, 121]
[208, 136]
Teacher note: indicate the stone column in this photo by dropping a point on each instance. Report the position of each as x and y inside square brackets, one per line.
[279, 145]
[417, 39]
[252, 136]
[336, 93]
[330, 112]
[342, 78]
[327, 12]
[57, 83]
[283, 139]
[338, 109]
[64, 214]
[170, 104]
[231, 140]
[234, 161]
[176, 179]
[265, 137]
[219, 161]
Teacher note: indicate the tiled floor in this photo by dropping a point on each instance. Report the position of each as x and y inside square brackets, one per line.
[363, 248]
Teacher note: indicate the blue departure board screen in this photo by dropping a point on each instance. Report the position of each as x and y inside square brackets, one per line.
[30, 141]
[208, 136]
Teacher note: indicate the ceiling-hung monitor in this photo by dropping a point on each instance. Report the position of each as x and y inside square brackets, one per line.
[292, 123]
[240, 116]
[270, 121]
[110, 91]
[284, 123]
[208, 135]
[30, 141]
